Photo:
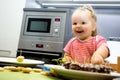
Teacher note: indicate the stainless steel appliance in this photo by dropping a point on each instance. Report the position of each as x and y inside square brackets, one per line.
[44, 33]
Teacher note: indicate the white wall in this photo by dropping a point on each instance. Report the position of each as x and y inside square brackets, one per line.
[11, 12]
[114, 47]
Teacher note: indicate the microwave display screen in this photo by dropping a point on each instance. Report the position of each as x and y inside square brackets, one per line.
[38, 25]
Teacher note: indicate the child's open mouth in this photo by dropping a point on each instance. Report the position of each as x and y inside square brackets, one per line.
[80, 31]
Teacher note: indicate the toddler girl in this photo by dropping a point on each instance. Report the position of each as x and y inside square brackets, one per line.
[86, 46]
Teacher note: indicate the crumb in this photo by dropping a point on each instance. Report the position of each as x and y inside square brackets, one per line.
[37, 70]
[45, 73]
[27, 70]
[1, 69]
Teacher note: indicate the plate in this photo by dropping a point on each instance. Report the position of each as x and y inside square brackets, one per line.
[26, 62]
[81, 75]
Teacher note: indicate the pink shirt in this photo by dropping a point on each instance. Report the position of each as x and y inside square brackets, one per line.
[81, 51]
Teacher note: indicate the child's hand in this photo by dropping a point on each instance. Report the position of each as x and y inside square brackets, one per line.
[68, 57]
[97, 59]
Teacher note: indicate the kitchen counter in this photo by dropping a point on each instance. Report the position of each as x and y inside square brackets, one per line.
[12, 75]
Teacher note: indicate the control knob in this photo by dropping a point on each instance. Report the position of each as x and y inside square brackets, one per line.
[56, 30]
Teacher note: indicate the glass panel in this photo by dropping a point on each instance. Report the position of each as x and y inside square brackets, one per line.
[39, 25]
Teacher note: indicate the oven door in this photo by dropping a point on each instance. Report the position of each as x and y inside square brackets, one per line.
[38, 25]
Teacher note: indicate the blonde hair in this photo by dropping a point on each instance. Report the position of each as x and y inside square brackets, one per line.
[93, 15]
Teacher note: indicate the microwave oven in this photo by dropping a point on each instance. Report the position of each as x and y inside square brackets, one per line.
[42, 24]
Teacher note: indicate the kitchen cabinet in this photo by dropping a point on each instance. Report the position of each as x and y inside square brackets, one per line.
[10, 23]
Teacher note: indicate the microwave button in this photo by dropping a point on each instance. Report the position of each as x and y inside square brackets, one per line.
[57, 19]
[56, 30]
[39, 45]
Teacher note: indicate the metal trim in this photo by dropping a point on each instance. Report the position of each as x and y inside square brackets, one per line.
[40, 53]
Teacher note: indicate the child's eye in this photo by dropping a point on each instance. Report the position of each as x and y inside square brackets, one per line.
[74, 23]
[83, 22]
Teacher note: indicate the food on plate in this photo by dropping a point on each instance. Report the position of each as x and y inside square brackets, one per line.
[1, 69]
[13, 68]
[59, 61]
[45, 73]
[53, 73]
[20, 58]
[100, 68]
[27, 70]
[6, 67]
[20, 68]
[37, 70]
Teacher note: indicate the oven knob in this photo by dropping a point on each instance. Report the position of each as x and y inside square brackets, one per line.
[56, 30]
[32, 45]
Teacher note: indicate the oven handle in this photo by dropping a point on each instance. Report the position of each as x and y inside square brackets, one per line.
[41, 53]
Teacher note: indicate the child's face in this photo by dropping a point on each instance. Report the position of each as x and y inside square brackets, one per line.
[82, 24]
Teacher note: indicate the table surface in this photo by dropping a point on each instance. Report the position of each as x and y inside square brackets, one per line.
[12, 75]
[19, 75]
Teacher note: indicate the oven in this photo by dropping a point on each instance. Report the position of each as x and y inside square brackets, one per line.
[44, 32]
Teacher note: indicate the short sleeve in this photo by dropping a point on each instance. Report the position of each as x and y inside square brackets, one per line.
[68, 45]
[101, 41]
